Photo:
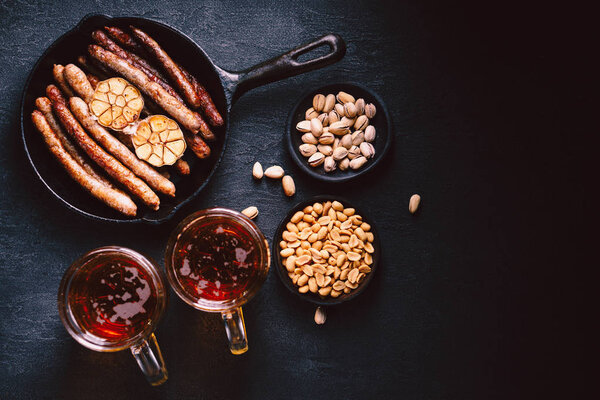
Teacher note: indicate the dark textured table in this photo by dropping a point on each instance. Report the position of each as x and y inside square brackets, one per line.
[466, 302]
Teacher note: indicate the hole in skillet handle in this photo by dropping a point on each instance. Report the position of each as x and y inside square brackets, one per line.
[382, 123]
[282, 271]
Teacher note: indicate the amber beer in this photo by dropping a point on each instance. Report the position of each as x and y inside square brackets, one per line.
[111, 299]
[216, 260]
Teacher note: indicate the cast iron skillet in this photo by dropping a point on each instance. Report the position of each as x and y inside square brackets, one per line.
[283, 274]
[225, 88]
[382, 123]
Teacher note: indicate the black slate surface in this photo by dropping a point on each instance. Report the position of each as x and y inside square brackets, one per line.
[468, 300]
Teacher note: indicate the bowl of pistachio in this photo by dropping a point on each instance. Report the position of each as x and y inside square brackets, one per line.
[338, 132]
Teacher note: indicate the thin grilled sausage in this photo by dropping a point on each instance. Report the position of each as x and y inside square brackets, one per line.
[76, 78]
[189, 119]
[118, 149]
[101, 39]
[206, 103]
[45, 106]
[169, 66]
[113, 167]
[198, 146]
[93, 79]
[117, 200]
[101, 72]
[59, 78]
[182, 167]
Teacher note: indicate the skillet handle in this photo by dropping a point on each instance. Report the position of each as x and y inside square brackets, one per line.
[288, 65]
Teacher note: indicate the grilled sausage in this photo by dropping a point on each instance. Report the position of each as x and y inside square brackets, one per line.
[113, 167]
[117, 200]
[101, 39]
[182, 167]
[169, 66]
[189, 119]
[198, 146]
[76, 78]
[59, 78]
[206, 103]
[119, 150]
[45, 106]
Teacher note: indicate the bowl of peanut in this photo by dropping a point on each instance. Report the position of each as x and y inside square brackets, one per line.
[338, 132]
[325, 250]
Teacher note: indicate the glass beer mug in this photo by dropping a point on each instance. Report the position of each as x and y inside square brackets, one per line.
[111, 299]
[217, 260]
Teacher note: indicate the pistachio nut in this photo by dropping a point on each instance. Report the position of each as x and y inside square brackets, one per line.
[343, 98]
[346, 141]
[413, 204]
[316, 159]
[303, 126]
[310, 114]
[339, 109]
[325, 149]
[344, 164]
[370, 110]
[329, 164]
[329, 103]
[318, 102]
[316, 127]
[354, 152]
[325, 138]
[307, 149]
[360, 106]
[370, 133]
[358, 137]
[257, 171]
[367, 149]
[339, 128]
[289, 188]
[348, 121]
[350, 110]
[336, 143]
[274, 172]
[250, 212]
[340, 153]
[358, 162]
[309, 138]
[324, 118]
[333, 117]
[361, 123]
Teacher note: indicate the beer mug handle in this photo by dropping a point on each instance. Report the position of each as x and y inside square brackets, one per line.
[236, 330]
[150, 359]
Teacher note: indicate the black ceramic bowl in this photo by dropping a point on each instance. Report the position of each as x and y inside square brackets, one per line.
[283, 274]
[381, 122]
[224, 86]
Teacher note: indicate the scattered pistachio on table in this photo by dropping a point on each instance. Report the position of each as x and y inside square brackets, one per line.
[276, 172]
[330, 126]
[250, 212]
[413, 204]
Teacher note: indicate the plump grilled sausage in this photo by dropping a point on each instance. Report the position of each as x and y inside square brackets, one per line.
[113, 167]
[59, 78]
[117, 200]
[119, 150]
[76, 79]
[45, 106]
